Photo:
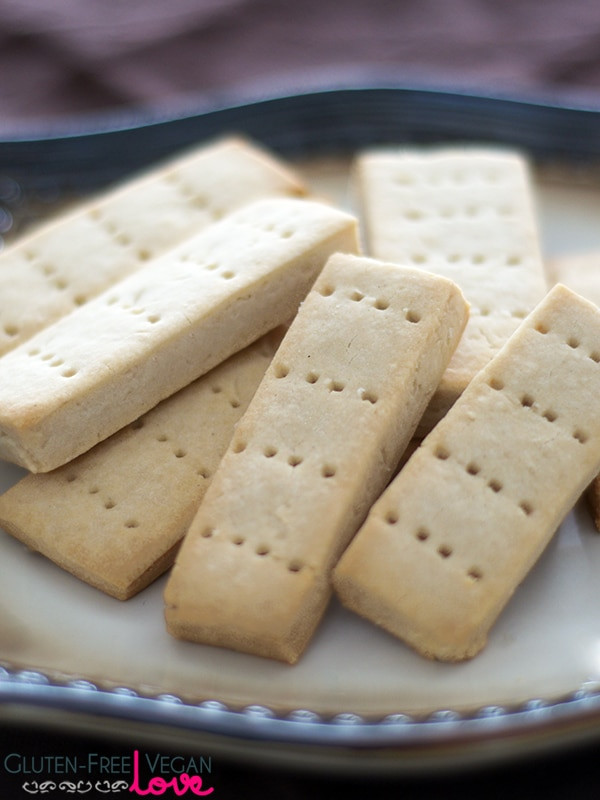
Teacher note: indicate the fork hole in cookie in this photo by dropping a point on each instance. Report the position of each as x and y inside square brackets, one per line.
[327, 290]
[281, 371]
[526, 507]
[527, 401]
[580, 436]
[238, 541]
[270, 451]
[475, 574]
[422, 534]
[541, 328]
[495, 485]
[262, 550]
[239, 446]
[328, 471]
[496, 384]
[336, 386]
[294, 461]
[132, 523]
[444, 550]
[391, 517]
[180, 453]
[549, 415]
[295, 566]
[573, 342]
[381, 305]
[208, 533]
[413, 316]
[357, 296]
[369, 397]
[473, 468]
[108, 504]
[312, 377]
[442, 453]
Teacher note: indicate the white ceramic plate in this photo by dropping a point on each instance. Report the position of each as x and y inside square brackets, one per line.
[70, 656]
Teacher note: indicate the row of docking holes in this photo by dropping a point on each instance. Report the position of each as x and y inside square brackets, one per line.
[294, 565]
[420, 258]
[469, 211]
[52, 360]
[529, 402]
[573, 342]
[379, 303]
[293, 460]
[422, 534]
[457, 176]
[108, 503]
[334, 386]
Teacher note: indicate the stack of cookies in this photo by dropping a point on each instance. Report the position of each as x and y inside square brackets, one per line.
[211, 368]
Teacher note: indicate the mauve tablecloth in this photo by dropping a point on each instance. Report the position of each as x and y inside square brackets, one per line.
[77, 56]
[73, 57]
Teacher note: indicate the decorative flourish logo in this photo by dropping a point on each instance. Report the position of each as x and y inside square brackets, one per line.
[70, 787]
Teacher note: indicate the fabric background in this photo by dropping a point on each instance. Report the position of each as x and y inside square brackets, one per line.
[62, 57]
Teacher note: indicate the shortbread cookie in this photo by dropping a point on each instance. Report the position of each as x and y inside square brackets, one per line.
[114, 517]
[453, 536]
[102, 366]
[47, 274]
[319, 442]
[466, 214]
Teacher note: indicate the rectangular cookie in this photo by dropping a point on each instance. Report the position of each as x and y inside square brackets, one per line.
[114, 517]
[466, 213]
[319, 441]
[103, 365]
[455, 533]
[79, 254]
